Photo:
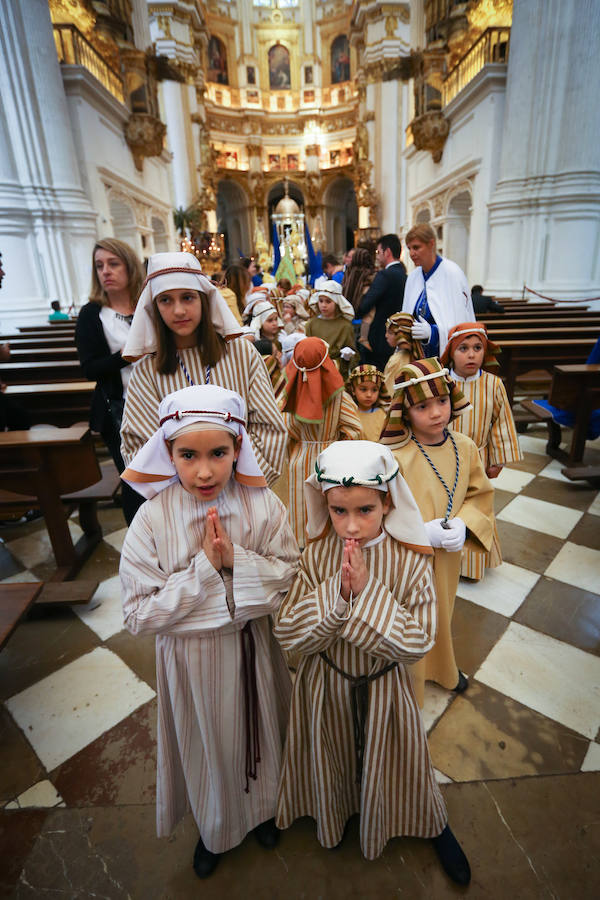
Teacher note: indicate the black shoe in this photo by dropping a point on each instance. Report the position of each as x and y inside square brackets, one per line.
[463, 683]
[267, 834]
[205, 862]
[451, 856]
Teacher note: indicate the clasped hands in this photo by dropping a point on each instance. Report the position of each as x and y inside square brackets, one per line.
[354, 571]
[451, 538]
[217, 544]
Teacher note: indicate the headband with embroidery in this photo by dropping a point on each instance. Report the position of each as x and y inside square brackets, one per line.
[370, 373]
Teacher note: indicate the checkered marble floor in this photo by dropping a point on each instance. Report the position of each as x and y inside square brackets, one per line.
[518, 754]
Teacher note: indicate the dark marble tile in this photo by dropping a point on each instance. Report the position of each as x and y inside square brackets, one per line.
[531, 462]
[12, 531]
[526, 548]
[501, 498]
[19, 831]
[485, 734]
[8, 564]
[102, 564]
[19, 766]
[564, 612]
[575, 495]
[119, 768]
[138, 652]
[475, 630]
[47, 640]
[587, 533]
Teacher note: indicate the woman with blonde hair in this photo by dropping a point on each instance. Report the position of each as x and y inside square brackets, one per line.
[102, 329]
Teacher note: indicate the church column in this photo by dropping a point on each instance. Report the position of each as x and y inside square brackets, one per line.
[544, 214]
[47, 226]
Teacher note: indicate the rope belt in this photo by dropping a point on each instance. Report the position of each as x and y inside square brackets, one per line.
[359, 696]
[250, 702]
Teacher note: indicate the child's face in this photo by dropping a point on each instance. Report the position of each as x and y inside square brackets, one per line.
[366, 393]
[391, 338]
[204, 461]
[181, 311]
[468, 356]
[327, 308]
[357, 512]
[270, 327]
[288, 311]
[429, 419]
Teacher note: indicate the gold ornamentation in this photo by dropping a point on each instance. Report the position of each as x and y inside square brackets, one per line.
[430, 132]
[145, 136]
[391, 23]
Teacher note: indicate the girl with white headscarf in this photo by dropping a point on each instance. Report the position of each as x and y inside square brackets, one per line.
[223, 686]
[187, 336]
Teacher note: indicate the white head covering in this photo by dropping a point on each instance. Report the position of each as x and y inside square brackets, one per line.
[151, 469]
[257, 296]
[364, 464]
[288, 342]
[260, 312]
[142, 334]
[333, 290]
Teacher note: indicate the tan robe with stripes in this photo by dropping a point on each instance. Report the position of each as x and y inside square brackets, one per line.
[170, 589]
[392, 619]
[372, 423]
[241, 369]
[340, 422]
[491, 426]
[474, 504]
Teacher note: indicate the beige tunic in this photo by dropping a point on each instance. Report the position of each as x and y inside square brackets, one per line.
[398, 359]
[170, 589]
[491, 426]
[241, 369]
[392, 619]
[474, 504]
[372, 423]
[340, 422]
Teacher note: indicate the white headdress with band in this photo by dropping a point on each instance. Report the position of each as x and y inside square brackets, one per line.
[364, 464]
[258, 296]
[168, 272]
[192, 409]
[260, 313]
[333, 290]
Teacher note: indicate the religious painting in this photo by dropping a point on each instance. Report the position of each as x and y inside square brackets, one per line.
[252, 96]
[279, 68]
[293, 161]
[217, 61]
[309, 96]
[274, 161]
[334, 157]
[250, 74]
[346, 156]
[308, 74]
[340, 60]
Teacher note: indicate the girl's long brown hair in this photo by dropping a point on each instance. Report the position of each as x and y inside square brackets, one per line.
[209, 342]
[238, 279]
[358, 276]
[134, 268]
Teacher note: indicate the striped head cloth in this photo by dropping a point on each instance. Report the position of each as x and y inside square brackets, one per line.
[470, 329]
[369, 373]
[422, 380]
[400, 325]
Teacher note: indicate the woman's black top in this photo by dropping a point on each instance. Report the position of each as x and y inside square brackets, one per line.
[98, 364]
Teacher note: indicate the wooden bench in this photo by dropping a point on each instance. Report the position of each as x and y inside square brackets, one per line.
[57, 470]
[15, 600]
[30, 372]
[49, 326]
[34, 343]
[41, 354]
[520, 357]
[63, 403]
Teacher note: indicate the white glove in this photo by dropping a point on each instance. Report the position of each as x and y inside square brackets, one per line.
[455, 536]
[435, 532]
[347, 353]
[421, 330]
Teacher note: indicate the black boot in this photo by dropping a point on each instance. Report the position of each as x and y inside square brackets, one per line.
[267, 834]
[463, 683]
[451, 856]
[205, 862]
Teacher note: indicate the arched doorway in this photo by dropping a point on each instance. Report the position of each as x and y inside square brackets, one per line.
[341, 215]
[458, 226]
[124, 224]
[233, 220]
[159, 233]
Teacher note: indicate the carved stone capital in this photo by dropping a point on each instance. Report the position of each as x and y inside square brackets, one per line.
[430, 132]
[145, 136]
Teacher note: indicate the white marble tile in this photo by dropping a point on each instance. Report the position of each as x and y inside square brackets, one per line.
[42, 795]
[554, 678]
[539, 515]
[69, 709]
[576, 565]
[441, 778]
[104, 613]
[33, 549]
[436, 700]
[529, 444]
[25, 576]
[594, 507]
[553, 470]
[513, 480]
[116, 538]
[502, 589]
[591, 761]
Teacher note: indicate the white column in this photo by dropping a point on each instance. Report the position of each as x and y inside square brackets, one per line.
[179, 135]
[47, 225]
[545, 211]
[389, 155]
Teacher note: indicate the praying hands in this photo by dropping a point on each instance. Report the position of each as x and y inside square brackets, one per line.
[354, 571]
[217, 544]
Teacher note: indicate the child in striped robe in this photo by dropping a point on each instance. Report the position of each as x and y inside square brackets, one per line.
[361, 610]
[398, 334]
[365, 386]
[489, 423]
[205, 563]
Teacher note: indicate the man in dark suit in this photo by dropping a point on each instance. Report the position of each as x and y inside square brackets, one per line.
[482, 303]
[384, 296]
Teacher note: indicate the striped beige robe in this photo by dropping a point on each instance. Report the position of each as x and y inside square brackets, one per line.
[372, 423]
[241, 369]
[392, 619]
[491, 426]
[474, 504]
[340, 422]
[170, 589]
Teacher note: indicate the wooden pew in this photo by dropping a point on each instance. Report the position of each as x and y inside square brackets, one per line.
[47, 466]
[15, 600]
[521, 356]
[39, 343]
[30, 372]
[41, 354]
[62, 403]
[49, 326]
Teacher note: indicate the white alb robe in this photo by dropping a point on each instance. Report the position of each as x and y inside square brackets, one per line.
[448, 296]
